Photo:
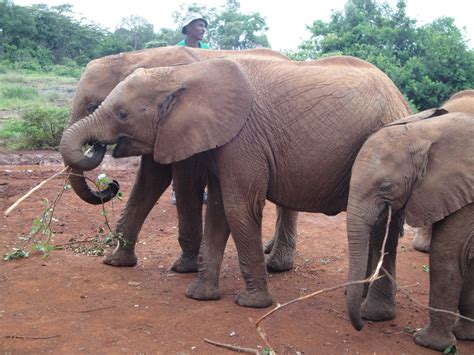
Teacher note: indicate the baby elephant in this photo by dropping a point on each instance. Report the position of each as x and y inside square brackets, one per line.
[422, 167]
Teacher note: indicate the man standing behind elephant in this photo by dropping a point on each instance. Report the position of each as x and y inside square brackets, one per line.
[194, 28]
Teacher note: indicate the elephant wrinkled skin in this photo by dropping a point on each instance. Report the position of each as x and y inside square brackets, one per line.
[278, 130]
[189, 178]
[422, 167]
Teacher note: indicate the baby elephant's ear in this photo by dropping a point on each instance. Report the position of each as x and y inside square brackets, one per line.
[447, 183]
[209, 105]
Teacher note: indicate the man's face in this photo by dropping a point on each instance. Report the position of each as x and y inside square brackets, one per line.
[196, 30]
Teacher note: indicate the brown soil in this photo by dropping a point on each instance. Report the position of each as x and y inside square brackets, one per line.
[72, 303]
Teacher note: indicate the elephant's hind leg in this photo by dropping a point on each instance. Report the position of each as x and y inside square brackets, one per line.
[189, 180]
[216, 233]
[152, 180]
[283, 244]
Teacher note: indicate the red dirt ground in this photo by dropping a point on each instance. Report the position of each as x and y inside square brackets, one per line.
[72, 303]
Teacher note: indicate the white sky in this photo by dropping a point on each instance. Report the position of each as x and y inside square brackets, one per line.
[287, 19]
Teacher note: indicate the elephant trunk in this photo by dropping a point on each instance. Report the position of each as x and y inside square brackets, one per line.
[73, 139]
[358, 233]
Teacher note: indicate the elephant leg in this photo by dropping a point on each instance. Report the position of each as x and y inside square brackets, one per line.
[211, 253]
[380, 301]
[464, 329]
[152, 180]
[422, 239]
[189, 181]
[445, 291]
[283, 244]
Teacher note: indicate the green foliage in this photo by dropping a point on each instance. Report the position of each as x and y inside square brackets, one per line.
[428, 63]
[41, 127]
[19, 92]
[16, 253]
[452, 349]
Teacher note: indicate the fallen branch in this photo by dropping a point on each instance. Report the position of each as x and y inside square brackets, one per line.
[30, 337]
[95, 309]
[37, 187]
[375, 276]
[232, 347]
[422, 305]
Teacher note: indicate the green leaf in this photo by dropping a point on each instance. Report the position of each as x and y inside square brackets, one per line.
[16, 253]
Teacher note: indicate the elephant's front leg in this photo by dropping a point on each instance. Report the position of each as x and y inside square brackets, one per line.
[380, 301]
[216, 233]
[189, 181]
[445, 290]
[152, 180]
[282, 246]
[464, 329]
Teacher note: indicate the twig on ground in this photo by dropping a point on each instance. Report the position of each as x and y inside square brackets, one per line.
[87, 240]
[95, 309]
[30, 337]
[37, 187]
[422, 305]
[375, 276]
[232, 347]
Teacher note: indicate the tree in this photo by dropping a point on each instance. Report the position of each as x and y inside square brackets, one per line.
[135, 31]
[232, 29]
[427, 63]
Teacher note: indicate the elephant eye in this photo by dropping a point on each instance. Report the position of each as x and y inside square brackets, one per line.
[91, 108]
[385, 186]
[122, 115]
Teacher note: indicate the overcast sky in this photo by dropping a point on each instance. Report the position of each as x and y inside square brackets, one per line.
[286, 19]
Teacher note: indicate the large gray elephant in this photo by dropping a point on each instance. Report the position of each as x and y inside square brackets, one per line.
[463, 101]
[422, 167]
[278, 130]
[98, 80]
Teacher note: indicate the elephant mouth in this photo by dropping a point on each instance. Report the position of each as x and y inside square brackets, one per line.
[127, 147]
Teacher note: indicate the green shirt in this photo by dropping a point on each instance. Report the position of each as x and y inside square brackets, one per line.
[201, 44]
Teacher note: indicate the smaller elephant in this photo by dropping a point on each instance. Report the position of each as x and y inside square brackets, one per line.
[451, 281]
[422, 167]
[463, 101]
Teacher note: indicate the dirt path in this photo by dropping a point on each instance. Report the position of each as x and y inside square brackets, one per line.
[72, 303]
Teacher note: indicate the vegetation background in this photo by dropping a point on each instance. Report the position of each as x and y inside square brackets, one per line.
[43, 51]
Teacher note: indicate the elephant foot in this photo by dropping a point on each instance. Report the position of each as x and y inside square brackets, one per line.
[422, 239]
[121, 257]
[279, 262]
[267, 248]
[378, 311]
[185, 264]
[464, 330]
[258, 299]
[203, 290]
[430, 338]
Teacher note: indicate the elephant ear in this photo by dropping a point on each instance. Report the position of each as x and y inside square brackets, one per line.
[445, 183]
[207, 107]
[433, 112]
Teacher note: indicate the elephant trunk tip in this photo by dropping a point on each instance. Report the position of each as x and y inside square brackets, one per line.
[357, 323]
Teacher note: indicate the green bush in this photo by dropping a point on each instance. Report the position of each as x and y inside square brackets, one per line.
[40, 128]
[19, 92]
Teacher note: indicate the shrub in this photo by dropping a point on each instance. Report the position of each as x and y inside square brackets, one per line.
[19, 92]
[41, 127]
